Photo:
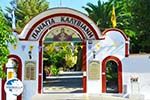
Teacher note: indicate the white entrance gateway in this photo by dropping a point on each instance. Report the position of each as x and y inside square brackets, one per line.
[110, 46]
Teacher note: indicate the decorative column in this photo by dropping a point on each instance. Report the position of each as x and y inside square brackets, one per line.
[10, 75]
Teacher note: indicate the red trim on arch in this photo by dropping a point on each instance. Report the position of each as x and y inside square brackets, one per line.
[84, 84]
[104, 73]
[39, 84]
[3, 94]
[61, 14]
[16, 58]
[103, 76]
[44, 33]
[41, 57]
[125, 37]
[19, 76]
[115, 29]
[40, 70]
[40, 66]
[126, 49]
[84, 66]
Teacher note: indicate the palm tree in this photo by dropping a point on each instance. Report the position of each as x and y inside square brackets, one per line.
[25, 11]
[101, 15]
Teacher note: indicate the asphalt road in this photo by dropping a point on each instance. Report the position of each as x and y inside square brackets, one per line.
[68, 82]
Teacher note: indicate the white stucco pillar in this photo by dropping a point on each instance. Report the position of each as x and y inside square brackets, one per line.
[10, 74]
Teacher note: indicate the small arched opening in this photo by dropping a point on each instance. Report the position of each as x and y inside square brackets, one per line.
[18, 73]
[111, 75]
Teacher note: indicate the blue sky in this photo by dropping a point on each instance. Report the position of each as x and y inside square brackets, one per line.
[75, 4]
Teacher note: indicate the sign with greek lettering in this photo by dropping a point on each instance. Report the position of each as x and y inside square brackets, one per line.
[14, 86]
[54, 21]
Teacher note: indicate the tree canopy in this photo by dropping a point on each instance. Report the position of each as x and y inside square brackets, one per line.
[6, 37]
[132, 17]
[62, 55]
[140, 24]
[25, 11]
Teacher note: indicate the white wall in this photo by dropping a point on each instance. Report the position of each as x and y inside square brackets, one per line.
[103, 49]
[133, 65]
[138, 65]
[30, 86]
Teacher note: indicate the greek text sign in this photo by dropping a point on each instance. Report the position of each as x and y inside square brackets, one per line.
[94, 70]
[30, 70]
[57, 20]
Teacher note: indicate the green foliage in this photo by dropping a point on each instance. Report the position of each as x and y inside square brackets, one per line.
[140, 24]
[60, 55]
[2, 73]
[70, 60]
[133, 17]
[111, 71]
[6, 37]
[124, 16]
[26, 10]
[101, 15]
[54, 70]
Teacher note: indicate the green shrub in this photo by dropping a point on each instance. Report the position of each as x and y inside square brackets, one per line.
[54, 70]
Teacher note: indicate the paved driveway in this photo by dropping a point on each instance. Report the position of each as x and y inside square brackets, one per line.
[78, 96]
[68, 82]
